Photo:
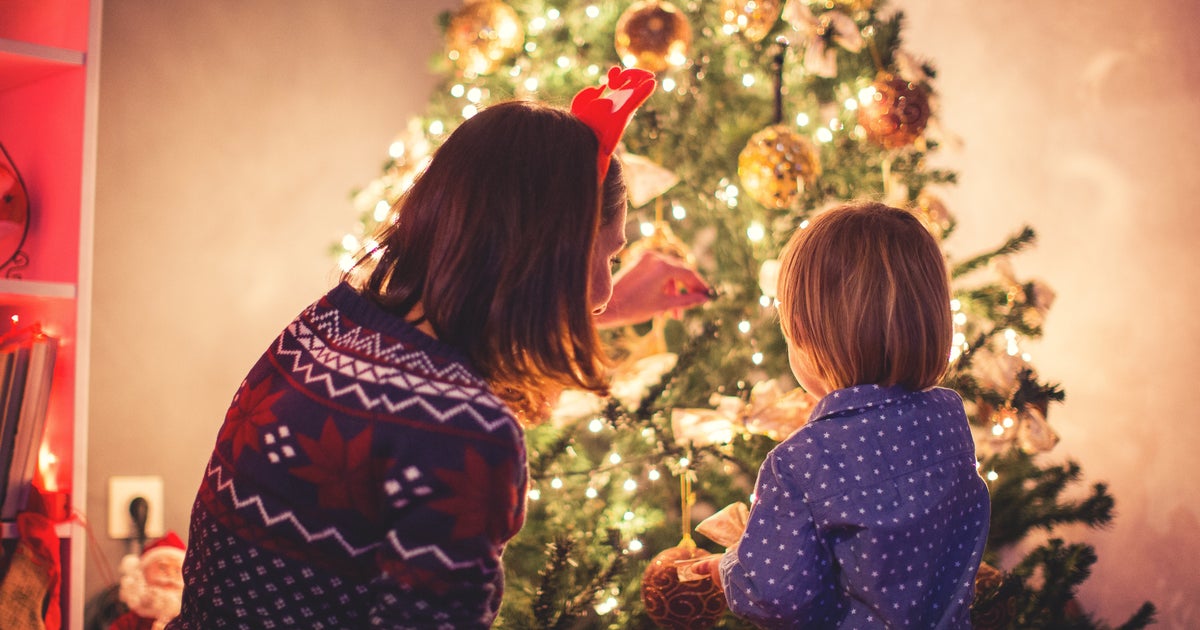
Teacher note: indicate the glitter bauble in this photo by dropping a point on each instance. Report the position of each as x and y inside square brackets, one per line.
[675, 605]
[482, 35]
[896, 114]
[653, 36]
[753, 18]
[776, 165]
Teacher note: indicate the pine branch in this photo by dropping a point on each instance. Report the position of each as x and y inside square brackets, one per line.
[1013, 245]
[549, 591]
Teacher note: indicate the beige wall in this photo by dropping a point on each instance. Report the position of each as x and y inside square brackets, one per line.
[231, 133]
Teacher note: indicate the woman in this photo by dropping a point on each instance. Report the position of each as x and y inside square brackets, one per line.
[372, 464]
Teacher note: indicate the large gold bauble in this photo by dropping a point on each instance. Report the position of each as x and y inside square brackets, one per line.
[653, 36]
[776, 165]
[483, 35]
[676, 605]
[753, 18]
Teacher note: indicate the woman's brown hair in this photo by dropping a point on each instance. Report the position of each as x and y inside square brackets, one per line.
[494, 242]
[863, 291]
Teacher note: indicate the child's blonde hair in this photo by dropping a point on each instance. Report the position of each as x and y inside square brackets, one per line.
[864, 293]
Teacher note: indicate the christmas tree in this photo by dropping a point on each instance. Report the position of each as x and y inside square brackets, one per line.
[768, 112]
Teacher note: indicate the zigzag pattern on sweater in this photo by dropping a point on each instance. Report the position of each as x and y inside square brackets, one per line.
[215, 471]
[329, 324]
[327, 361]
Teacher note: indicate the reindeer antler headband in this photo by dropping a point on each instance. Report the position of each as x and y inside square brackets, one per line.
[609, 115]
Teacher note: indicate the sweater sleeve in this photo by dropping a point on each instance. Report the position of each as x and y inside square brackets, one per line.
[779, 575]
[451, 505]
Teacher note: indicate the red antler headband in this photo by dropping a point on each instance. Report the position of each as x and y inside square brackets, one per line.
[609, 115]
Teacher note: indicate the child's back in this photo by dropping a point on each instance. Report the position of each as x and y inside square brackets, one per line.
[873, 514]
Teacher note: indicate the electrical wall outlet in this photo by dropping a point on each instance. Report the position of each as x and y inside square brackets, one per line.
[121, 492]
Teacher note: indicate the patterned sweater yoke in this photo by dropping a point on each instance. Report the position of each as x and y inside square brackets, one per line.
[364, 476]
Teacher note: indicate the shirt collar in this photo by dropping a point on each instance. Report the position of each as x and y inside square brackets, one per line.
[855, 399]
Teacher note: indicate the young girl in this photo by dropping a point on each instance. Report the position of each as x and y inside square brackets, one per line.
[872, 515]
[371, 466]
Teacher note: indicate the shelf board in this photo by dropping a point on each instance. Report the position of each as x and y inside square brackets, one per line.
[8, 530]
[23, 62]
[31, 290]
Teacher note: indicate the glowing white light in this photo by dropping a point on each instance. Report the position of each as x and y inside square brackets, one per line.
[683, 461]
[535, 494]
[469, 111]
[436, 127]
[530, 46]
[458, 90]
[1007, 422]
[851, 104]
[744, 326]
[731, 190]
[531, 84]
[955, 305]
[866, 94]
[635, 545]
[615, 458]
[563, 61]
[596, 425]
[371, 245]
[514, 71]
[668, 84]
[606, 606]
[992, 476]
[630, 485]
[824, 134]
[747, 80]
[646, 228]
[764, 301]
[474, 95]
[629, 516]
[676, 58]
[802, 120]
[537, 24]
[804, 224]
[678, 212]
[960, 318]
[556, 483]
[349, 242]
[756, 358]
[593, 70]
[959, 339]
[997, 429]
[345, 263]
[552, 14]
[590, 493]
[592, 11]
[756, 232]
[396, 149]
[653, 475]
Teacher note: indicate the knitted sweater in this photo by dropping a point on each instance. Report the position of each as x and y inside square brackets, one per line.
[364, 476]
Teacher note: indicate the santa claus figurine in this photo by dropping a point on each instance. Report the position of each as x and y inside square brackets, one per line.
[152, 585]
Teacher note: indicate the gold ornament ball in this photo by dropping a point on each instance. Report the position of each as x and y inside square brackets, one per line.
[675, 605]
[753, 18]
[776, 165]
[482, 35]
[896, 114]
[653, 36]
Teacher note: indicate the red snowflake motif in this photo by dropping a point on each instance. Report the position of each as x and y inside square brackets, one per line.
[411, 577]
[247, 416]
[482, 499]
[341, 469]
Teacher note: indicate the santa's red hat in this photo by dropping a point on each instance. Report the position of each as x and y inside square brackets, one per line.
[167, 546]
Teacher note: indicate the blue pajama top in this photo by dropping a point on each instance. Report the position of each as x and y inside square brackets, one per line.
[872, 515]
